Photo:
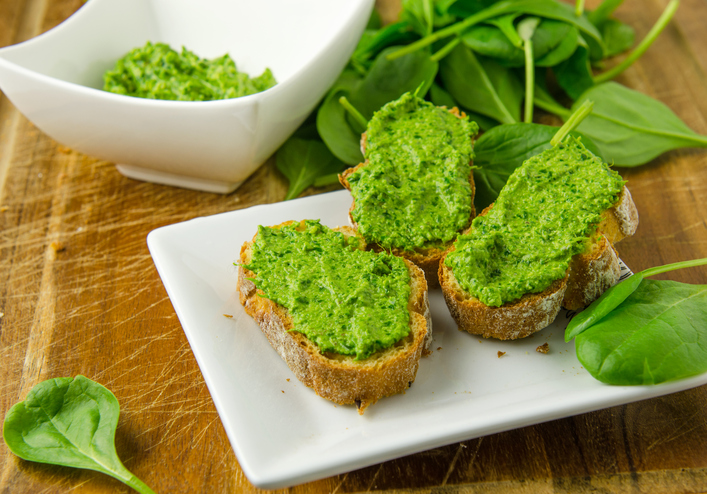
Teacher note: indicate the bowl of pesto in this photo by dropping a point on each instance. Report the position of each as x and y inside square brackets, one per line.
[109, 81]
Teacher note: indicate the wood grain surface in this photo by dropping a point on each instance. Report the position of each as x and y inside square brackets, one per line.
[79, 294]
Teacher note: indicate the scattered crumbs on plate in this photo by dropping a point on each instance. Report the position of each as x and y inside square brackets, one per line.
[544, 348]
[501, 354]
[228, 316]
[288, 379]
[283, 391]
[439, 348]
[57, 246]
[479, 341]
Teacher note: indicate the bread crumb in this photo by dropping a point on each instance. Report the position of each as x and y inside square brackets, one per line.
[439, 348]
[288, 379]
[228, 315]
[544, 348]
[57, 246]
[501, 354]
[283, 391]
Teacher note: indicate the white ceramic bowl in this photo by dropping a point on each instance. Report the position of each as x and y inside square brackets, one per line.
[55, 80]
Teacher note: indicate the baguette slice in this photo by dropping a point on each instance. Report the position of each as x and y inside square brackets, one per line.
[341, 378]
[427, 257]
[590, 273]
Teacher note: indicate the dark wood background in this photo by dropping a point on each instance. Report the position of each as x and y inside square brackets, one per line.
[79, 294]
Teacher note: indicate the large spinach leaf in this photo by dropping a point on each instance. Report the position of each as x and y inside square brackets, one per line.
[387, 80]
[482, 85]
[69, 422]
[631, 128]
[658, 334]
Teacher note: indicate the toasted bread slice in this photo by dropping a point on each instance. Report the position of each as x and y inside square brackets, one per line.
[336, 377]
[590, 273]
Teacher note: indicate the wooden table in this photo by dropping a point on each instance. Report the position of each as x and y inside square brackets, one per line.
[79, 294]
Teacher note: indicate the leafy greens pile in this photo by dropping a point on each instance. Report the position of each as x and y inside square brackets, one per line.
[496, 60]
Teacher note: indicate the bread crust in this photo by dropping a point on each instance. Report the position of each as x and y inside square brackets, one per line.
[426, 258]
[590, 273]
[340, 378]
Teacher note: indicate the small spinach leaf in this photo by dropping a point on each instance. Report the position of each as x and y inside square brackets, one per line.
[574, 75]
[618, 37]
[561, 51]
[333, 126]
[303, 161]
[631, 128]
[658, 334]
[69, 422]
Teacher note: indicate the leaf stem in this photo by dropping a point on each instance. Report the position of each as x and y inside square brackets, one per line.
[662, 22]
[553, 108]
[353, 111]
[674, 266]
[444, 51]
[572, 122]
[529, 81]
[139, 485]
[480, 16]
[579, 8]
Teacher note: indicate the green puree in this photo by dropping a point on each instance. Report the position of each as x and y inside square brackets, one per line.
[543, 216]
[414, 192]
[344, 299]
[156, 71]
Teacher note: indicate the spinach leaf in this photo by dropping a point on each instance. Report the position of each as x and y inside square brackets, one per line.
[574, 75]
[618, 37]
[658, 334]
[372, 42]
[482, 85]
[333, 127]
[490, 41]
[631, 128]
[615, 295]
[420, 15]
[69, 422]
[303, 161]
[562, 51]
[387, 80]
[502, 149]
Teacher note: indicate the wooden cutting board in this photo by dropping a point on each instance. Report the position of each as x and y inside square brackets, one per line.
[79, 294]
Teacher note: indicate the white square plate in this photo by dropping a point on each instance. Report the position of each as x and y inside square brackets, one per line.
[283, 434]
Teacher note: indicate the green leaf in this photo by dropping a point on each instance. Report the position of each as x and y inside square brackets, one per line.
[69, 422]
[502, 149]
[615, 295]
[333, 126]
[303, 161]
[658, 334]
[618, 37]
[482, 85]
[602, 306]
[574, 75]
[631, 128]
[387, 80]
[560, 52]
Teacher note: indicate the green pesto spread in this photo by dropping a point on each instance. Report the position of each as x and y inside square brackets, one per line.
[344, 299]
[544, 215]
[414, 191]
[156, 71]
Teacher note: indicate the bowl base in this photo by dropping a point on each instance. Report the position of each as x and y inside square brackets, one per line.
[183, 181]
